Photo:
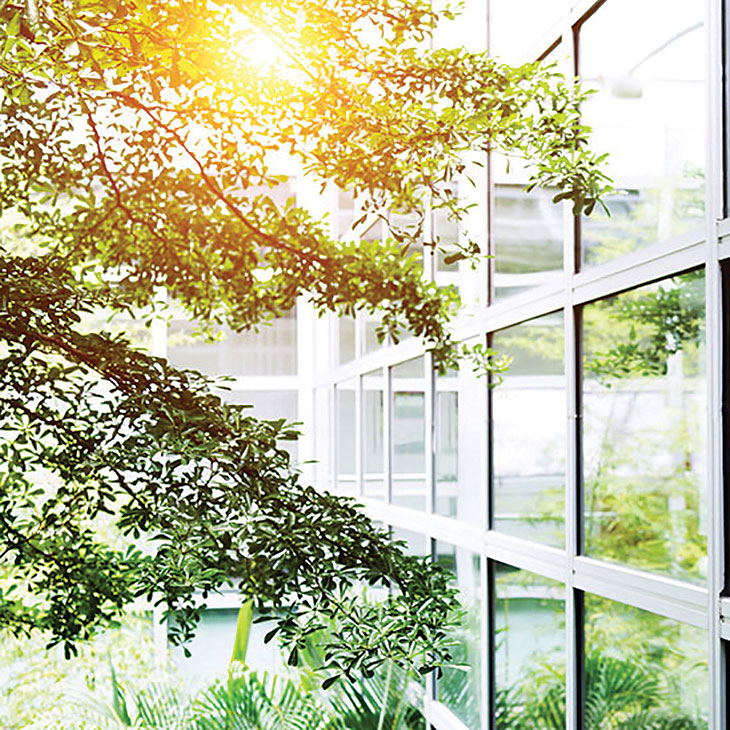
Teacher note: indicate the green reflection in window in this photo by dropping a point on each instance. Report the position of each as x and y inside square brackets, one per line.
[529, 651]
[643, 670]
[644, 428]
[460, 686]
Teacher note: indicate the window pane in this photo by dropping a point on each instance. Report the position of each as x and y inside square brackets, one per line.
[409, 434]
[417, 543]
[529, 417]
[371, 337]
[460, 686]
[527, 233]
[212, 646]
[529, 650]
[271, 351]
[346, 212]
[660, 664]
[644, 428]
[446, 233]
[447, 446]
[346, 339]
[345, 400]
[459, 433]
[373, 384]
[642, 58]
[267, 404]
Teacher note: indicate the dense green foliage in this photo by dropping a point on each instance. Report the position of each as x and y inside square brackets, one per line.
[134, 155]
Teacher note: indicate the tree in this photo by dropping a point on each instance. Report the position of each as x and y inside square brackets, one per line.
[134, 155]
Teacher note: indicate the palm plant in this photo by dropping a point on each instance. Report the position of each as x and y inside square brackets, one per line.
[619, 695]
[388, 700]
[157, 706]
[244, 700]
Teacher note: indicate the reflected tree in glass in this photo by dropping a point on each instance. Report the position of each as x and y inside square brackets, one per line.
[643, 670]
[529, 650]
[460, 685]
[644, 428]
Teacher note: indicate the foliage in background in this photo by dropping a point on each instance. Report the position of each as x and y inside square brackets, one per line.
[40, 691]
[620, 695]
[643, 490]
[247, 700]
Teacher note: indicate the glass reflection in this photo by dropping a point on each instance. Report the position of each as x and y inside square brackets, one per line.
[529, 641]
[373, 384]
[446, 235]
[527, 233]
[416, 543]
[642, 670]
[345, 339]
[409, 434]
[460, 686]
[447, 446]
[346, 437]
[346, 212]
[644, 428]
[529, 415]
[641, 58]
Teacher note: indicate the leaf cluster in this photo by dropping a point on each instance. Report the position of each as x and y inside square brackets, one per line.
[206, 488]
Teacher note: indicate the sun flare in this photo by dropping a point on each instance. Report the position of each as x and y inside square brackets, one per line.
[254, 47]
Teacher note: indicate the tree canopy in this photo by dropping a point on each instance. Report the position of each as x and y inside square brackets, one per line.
[135, 154]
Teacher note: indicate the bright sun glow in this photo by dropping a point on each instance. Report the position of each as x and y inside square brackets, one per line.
[253, 47]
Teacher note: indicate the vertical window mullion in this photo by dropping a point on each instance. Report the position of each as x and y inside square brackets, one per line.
[717, 22]
[572, 256]
[430, 434]
[388, 434]
[359, 431]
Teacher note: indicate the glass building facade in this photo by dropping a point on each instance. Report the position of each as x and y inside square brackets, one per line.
[580, 501]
